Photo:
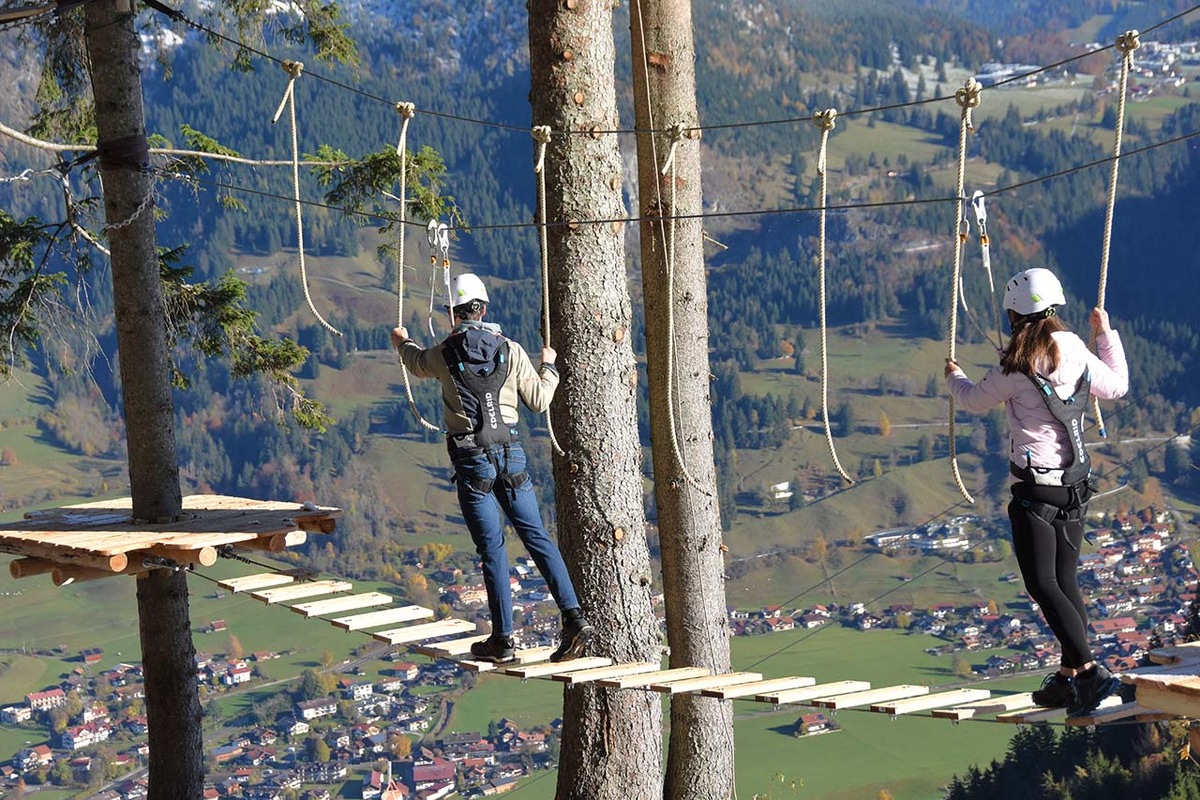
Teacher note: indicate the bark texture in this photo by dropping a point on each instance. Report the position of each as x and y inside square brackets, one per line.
[172, 699]
[612, 740]
[700, 754]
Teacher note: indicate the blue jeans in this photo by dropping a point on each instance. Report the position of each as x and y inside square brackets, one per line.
[485, 488]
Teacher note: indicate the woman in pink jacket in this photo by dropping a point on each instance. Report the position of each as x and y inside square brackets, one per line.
[1044, 379]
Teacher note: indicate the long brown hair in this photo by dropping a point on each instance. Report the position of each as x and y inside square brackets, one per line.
[1032, 343]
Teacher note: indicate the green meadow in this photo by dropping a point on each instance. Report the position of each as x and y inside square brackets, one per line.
[910, 757]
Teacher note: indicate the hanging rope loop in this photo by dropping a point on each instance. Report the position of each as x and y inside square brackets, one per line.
[295, 69]
[825, 120]
[678, 130]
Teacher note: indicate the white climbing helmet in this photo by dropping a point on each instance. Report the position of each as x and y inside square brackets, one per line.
[465, 288]
[1032, 291]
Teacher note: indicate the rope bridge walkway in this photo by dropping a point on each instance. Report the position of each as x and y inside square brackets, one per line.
[96, 540]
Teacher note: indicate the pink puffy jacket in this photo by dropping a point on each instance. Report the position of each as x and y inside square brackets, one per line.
[1032, 428]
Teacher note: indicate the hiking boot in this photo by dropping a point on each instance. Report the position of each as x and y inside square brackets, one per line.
[1091, 688]
[576, 633]
[1058, 691]
[497, 649]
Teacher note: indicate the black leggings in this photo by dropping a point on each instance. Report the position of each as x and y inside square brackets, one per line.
[1048, 555]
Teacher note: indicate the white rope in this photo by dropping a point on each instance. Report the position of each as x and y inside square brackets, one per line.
[541, 135]
[1126, 44]
[968, 98]
[294, 70]
[677, 131]
[406, 112]
[52, 147]
[825, 120]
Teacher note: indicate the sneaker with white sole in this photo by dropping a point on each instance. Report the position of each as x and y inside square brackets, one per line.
[1092, 688]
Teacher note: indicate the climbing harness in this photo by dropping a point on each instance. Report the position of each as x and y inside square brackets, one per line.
[294, 69]
[967, 98]
[438, 236]
[825, 120]
[406, 112]
[1126, 44]
[541, 135]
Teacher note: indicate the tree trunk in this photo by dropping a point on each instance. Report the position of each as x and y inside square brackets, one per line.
[168, 656]
[700, 756]
[612, 740]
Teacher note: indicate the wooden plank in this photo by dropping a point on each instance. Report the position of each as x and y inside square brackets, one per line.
[547, 669]
[532, 655]
[869, 696]
[647, 678]
[1123, 711]
[914, 704]
[449, 649]
[299, 590]
[759, 687]
[1186, 651]
[338, 604]
[809, 692]
[389, 616]
[1162, 698]
[1033, 715]
[993, 705]
[601, 673]
[430, 630]
[249, 583]
[705, 682]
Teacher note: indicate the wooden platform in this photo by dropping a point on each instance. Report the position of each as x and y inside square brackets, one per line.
[96, 540]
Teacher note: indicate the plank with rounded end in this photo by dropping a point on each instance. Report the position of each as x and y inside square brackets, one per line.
[993, 705]
[389, 616]
[248, 583]
[602, 673]
[930, 702]
[299, 590]
[548, 669]
[809, 692]
[759, 687]
[532, 655]
[451, 648]
[337, 605]
[705, 682]
[635, 681]
[869, 696]
[430, 630]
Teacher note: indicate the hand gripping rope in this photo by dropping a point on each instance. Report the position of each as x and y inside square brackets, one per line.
[541, 135]
[438, 236]
[1126, 44]
[825, 120]
[406, 112]
[294, 69]
[968, 98]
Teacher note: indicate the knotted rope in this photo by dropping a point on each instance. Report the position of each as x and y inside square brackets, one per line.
[968, 97]
[294, 69]
[1126, 44]
[825, 120]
